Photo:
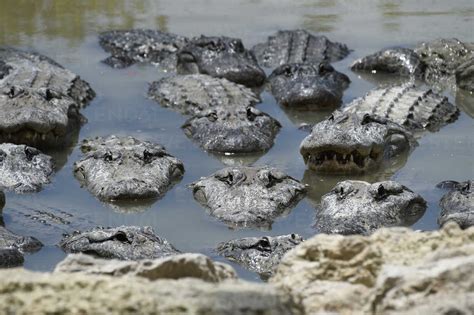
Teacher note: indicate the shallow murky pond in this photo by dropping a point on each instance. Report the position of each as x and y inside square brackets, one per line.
[67, 30]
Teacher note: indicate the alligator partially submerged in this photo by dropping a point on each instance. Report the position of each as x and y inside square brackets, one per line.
[221, 57]
[259, 254]
[124, 168]
[349, 143]
[224, 129]
[298, 46]
[308, 86]
[248, 196]
[191, 94]
[141, 45]
[415, 108]
[35, 71]
[357, 207]
[124, 242]
[458, 204]
[24, 169]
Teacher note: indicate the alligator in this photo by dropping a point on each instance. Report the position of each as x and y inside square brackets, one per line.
[124, 168]
[298, 46]
[415, 108]
[24, 169]
[124, 242]
[232, 130]
[35, 71]
[37, 117]
[358, 207]
[458, 204]
[259, 254]
[308, 86]
[442, 62]
[221, 57]
[191, 94]
[248, 196]
[349, 143]
[141, 45]
[11, 257]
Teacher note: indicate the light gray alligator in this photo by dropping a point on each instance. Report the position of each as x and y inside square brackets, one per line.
[298, 46]
[308, 86]
[191, 94]
[458, 204]
[239, 129]
[259, 254]
[123, 168]
[357, 207]
[124, 242]
[248, 196]
[141, 45]
[221, 57]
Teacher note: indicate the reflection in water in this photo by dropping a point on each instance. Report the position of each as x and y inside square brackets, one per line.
[299, 117]
[382, 80]
[237, 159]
[320, 23]
[131, 206]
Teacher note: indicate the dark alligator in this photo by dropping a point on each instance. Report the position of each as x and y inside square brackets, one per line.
[38, 117]
[124, 242]
[458, 204]
[24, 169]
[248, 196]
[415, 108]
[349, 143]
[123, 168]
[298, 46]
[441, 62]
[357, 207]
[259, 254]
[308, 86]
[239, 129]
[35, 71]
[221, 57]
[141, 45]
[191, 94]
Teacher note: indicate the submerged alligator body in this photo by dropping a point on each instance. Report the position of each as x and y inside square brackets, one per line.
[124, 168]
[458, 204]
[308, 86]
[24, 169]
[348, 143]
[416, 109]
[248, 196]
[357, 207]
[125, 243]
[224, 129]
[259, 254]
[298, 46]
[141, 45]
[191, 94]
[220, 57]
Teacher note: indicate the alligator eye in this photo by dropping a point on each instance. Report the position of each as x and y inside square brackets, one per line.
[212, 116]
[237, 46]
[48, 95]
[251, 115]
[30, 153]
[331, 118]
[381, 192]
[368, 118]
[264, 242]
[186, 57]
[293, 236]
[341, 191]
[121, 237]
[14, 92]
[108, 156]
[230, 177]
[325, 68]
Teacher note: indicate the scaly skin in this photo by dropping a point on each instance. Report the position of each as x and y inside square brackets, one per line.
[308, 86]
[458, 204]
[298, 46]
[248, 196]
[191, 94]
[239, 129]
[259, 254]
[349, 144]
[124, 242]
[124, 168]
[357, 207]
[221, 57]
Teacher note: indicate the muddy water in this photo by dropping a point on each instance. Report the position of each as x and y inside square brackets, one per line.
[67, 30]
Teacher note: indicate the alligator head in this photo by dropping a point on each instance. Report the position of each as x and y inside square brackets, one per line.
[357, 207]
[259, 254]
[221, 57]
[308, 86]
[458, 204]
[347, 143]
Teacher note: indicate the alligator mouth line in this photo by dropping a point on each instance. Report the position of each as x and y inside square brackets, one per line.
[331, 160]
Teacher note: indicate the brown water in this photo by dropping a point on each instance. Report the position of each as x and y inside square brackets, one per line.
[67, 30]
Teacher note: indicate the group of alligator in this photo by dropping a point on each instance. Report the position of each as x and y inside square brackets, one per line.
[215, 85]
